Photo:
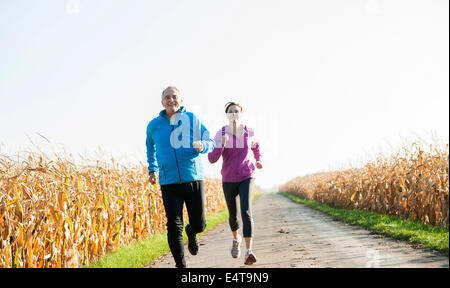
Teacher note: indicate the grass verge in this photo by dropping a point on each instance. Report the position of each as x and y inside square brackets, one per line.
[146, 251]
[424, 235]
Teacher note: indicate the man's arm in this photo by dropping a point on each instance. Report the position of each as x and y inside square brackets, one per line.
[205, 144]
[151, 157]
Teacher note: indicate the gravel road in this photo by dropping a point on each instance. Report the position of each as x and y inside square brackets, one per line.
[293, 235]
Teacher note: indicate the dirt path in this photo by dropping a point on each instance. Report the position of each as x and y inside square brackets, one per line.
[292, 235]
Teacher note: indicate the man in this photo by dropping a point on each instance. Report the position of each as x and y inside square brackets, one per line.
[175, 140]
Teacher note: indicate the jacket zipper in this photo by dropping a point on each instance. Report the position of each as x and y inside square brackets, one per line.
[176, 159]
[163, 172]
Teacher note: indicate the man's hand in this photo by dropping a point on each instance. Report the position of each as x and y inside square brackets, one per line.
[259, 164]
[198, 146]
[153, 178]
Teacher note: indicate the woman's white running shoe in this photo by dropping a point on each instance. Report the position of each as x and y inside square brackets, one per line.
[236, 248]
[250, 258]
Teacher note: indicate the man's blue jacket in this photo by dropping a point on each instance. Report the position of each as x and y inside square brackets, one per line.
[169, 147]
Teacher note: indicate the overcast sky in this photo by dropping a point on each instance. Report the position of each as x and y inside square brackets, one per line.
[323, 83]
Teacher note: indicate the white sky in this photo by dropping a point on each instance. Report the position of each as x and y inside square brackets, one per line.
[323, 83]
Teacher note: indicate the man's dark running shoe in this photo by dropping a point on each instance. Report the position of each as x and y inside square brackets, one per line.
[192, 241]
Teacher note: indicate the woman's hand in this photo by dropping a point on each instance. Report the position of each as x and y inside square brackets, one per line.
[259, 164]
[198, 146]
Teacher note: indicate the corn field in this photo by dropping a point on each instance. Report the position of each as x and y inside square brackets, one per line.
[412, 184]
[58, 214]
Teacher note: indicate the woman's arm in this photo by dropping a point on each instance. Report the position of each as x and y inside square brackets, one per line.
[218, 148]
[255, 145]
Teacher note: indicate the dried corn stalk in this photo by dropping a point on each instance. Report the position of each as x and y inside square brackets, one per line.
[58, 214]
[414, 185]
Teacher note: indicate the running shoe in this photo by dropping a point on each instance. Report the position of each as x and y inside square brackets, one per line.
[192, 241]
[236, 248]
[250, 258]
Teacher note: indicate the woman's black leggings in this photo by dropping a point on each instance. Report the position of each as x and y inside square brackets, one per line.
[245, 190]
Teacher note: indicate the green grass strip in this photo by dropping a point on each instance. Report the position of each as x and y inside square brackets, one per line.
[148, 250]
[428, 236]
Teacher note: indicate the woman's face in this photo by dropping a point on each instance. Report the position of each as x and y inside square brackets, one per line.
[234, 113]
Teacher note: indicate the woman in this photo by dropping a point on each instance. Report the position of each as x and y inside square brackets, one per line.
[233, 143]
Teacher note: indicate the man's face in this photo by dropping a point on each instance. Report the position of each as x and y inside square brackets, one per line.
[171, 101]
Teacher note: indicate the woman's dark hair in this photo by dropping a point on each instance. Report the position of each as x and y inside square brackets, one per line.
[229, 104]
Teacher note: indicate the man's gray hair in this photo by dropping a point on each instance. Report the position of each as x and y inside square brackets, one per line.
[168, 87]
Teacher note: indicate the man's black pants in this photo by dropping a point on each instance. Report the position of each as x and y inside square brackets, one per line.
[174, 195]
